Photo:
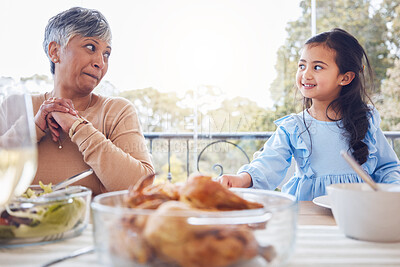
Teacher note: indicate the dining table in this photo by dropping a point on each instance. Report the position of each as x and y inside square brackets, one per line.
[319, 242]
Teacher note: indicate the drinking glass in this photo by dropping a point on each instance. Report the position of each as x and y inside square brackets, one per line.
[18, 146]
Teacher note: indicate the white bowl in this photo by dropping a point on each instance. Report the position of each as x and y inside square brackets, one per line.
[364, 214]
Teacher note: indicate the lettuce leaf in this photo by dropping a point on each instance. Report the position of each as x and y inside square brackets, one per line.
[56, 218]
[7, 231]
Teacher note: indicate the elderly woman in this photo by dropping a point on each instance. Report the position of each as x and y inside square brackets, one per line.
[77, 129]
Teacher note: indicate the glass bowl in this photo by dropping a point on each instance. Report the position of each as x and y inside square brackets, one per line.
[58, 215]
[141, 237]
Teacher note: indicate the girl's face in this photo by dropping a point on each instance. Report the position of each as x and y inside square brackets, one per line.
[83, 63]
[318, 75]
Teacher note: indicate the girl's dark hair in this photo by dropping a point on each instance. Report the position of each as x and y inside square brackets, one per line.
[352, 102]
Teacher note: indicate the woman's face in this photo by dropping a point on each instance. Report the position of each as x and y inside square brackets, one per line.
[83, 62]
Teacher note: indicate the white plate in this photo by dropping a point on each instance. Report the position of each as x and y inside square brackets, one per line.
[322, 201]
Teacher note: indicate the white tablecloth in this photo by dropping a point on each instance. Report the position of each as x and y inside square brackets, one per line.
[316, 246]
[327, 246]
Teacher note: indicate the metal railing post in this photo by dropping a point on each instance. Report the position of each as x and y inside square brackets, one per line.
[169, 177]
[187, 159]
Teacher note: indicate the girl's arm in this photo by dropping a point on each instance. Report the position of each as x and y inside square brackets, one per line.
[382, 163]
[269, 169]
[388, 167]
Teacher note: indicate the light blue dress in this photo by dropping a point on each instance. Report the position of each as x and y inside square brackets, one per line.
[322, 165]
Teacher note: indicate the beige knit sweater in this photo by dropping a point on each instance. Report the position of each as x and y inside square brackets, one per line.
[112, 144]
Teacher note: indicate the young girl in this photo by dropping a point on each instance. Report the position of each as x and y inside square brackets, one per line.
[331, 78]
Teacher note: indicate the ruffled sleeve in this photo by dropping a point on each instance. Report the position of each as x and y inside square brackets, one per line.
[370, 139]
[270, 167]
[301, 144]
[382, 162]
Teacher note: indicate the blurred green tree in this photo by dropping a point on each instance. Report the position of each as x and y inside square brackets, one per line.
[158, 112]
[389, 99]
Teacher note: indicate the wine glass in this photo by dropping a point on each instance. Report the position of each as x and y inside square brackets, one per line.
[18, 146]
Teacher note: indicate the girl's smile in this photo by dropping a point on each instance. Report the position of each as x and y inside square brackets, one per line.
[308, 86]
[318, 75]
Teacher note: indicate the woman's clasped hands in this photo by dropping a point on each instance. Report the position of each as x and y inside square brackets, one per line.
[55, 114]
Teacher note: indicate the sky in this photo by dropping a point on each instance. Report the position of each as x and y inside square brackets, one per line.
[170, 45]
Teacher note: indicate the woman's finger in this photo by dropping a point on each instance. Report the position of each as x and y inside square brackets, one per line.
[70, 103]
[51, 122]
[61, 105]
[55, 134]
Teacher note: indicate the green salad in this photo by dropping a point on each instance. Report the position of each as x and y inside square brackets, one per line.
[41, 219]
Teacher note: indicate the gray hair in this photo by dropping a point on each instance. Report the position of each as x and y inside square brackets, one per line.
[72, 22]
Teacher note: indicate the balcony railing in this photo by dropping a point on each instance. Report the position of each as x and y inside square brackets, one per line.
[192, 148]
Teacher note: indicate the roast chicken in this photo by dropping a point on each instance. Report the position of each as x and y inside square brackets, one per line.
[168, 237]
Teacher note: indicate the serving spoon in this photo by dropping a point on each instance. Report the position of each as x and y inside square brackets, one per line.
[359, 170]
[61, 189]
[72, 179]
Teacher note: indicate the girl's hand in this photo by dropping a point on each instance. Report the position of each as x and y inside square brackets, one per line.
[53, 105]
[238, 180]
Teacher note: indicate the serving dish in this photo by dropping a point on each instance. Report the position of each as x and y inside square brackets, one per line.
[175, 235]
[46, 218]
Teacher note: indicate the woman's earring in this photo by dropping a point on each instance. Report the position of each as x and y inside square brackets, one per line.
[55, 60]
